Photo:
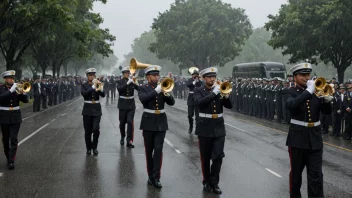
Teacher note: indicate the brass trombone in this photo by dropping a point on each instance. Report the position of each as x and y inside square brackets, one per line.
[167, 85]
[23, 87]
[322, 88]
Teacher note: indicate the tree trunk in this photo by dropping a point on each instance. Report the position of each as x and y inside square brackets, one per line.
[43, 72]
[54, 71]
[9, 64]
[76, 71]
[341, 73]
[65, 69]
[58, 71]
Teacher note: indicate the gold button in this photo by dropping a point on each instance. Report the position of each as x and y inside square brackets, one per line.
[156, 104]
[214, 111]
[156, 101]
[11, 104]
[308, 107]
[214, 105]
[309, 115]
[308, 111]
[157, 108]
[310, 120]
[307, 100]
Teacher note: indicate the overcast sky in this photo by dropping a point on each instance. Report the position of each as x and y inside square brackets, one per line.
[128, 19]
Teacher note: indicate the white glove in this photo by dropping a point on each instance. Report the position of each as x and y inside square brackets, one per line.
[328, 99]
[158, 89]
[216, 89]
[13, 87]
[338, 111]
[129, 81]
[93, 86]
[311, 86]
[194, 82]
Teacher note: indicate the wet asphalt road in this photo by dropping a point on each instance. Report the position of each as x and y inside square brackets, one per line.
[51, 160]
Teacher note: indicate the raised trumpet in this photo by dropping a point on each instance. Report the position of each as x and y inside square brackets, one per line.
[98, 85]
[25, 87]
[322, 88]
[135, 65]
[167, 85]
[225, 87]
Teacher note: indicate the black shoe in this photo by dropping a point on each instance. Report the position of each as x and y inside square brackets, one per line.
[122, 141]
[216, 189]
[95, 151]
[190, 129]
[150, 181]
[89, 152]
[157, 184]
[206, 187]
[130, 145]
[11, 166]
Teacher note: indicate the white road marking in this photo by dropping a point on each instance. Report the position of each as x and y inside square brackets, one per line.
[172, 146]
[63, 114]
[74, 101]
[53, 120]
[272, 172]
[31, 135]
[235, 127]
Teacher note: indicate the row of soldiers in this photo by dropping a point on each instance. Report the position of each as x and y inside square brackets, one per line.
[264, 98]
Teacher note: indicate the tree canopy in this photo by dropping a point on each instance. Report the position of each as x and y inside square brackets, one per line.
[317, 30]
[200, 33]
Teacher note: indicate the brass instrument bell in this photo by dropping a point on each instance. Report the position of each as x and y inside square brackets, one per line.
[135, 65]
[25, 87]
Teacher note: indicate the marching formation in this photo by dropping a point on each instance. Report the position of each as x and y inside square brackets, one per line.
[301, 102]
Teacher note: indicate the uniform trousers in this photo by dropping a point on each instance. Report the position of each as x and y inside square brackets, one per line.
[192, 109]
[10, 140]
[126, 117]
[211, 148]
[91, 126]
[153, 144]
[312, 160]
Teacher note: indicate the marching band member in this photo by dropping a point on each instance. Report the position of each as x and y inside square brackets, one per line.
[304, 140]
[10, 116]
[91, 111]
[211, 128]
[154, 122]
[126, 106]
[192, 83]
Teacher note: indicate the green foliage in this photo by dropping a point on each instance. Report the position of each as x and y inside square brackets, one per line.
[200, 33]
[317, 30]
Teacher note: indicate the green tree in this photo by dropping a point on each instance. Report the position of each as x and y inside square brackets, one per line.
[200, 33]
[317, 30]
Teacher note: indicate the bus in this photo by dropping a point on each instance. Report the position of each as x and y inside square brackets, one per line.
[259, 70]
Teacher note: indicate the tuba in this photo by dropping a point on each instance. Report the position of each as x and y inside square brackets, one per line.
[167, 85]
[24, 87]
[192, 69]
[225, 87]
[98, 85]
[322, 88]
[135, 65]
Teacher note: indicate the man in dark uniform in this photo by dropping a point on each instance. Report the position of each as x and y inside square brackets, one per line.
[211, 128]
[37, 92]
[113, 87]
[338, 109]
[348, 115]
[304, 140]
[10, 116]
[192, 83]
[44, 88]
[91, 111]
[154, 122]
[126, 106]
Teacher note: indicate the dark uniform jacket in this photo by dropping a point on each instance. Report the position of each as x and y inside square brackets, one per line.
[209, 103]
[153, 101]
[305, 107]
[89, 94]
[36, 91]
[126, 91]
[43, 87]
[8, 99]
[190, 99]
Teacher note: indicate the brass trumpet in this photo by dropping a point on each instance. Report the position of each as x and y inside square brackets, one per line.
[322, 88]
[23, 87]
[225, 87]
[98, 85]
[167, 85]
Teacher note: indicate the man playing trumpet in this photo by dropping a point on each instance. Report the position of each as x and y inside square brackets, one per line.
[126, 106]
[92, 110]
[211, 128]
[10, 115]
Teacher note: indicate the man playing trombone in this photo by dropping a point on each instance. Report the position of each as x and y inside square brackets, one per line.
[211, 127]
[192, 83]
[126, 106]
[91, 91]
[10, 114]
[304, 140]
[154, 121]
